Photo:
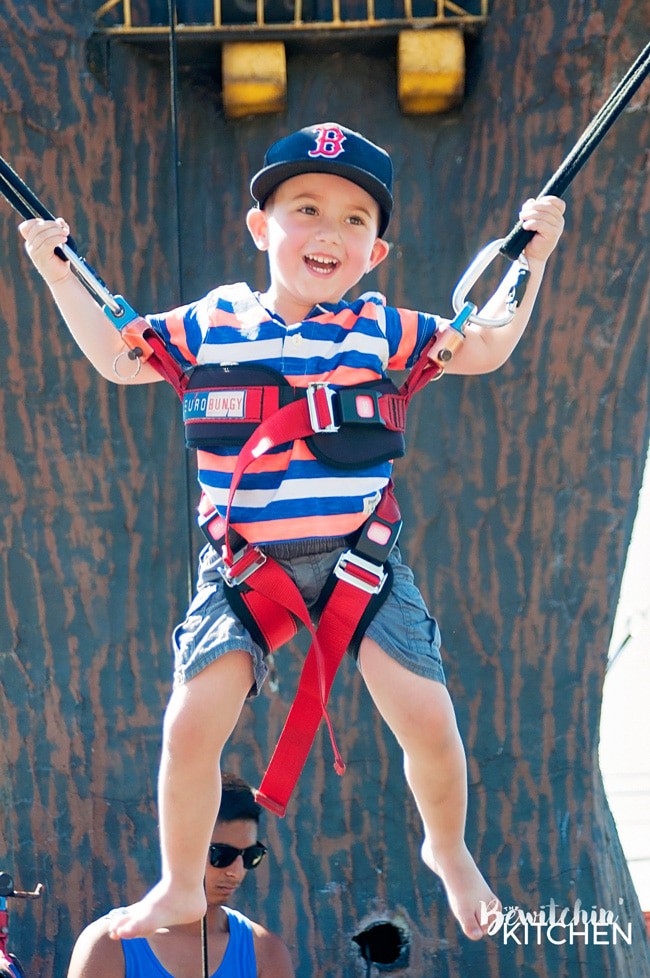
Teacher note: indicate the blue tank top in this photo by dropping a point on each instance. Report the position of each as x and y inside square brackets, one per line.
[238, 961]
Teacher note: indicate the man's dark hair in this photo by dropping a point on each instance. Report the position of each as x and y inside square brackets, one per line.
[237, 800]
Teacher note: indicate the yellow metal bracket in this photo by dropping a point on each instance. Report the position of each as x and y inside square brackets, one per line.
[430, 42]
[430, 70]
[254, 75]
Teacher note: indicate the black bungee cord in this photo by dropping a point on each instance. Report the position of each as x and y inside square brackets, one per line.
[518, 238]
[173, 98]
[173, 93]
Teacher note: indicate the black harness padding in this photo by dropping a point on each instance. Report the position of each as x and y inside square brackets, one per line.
[223, 406]
[360, 440]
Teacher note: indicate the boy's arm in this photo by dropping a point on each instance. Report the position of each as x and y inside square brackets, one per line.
[93, 332]
[483, 349]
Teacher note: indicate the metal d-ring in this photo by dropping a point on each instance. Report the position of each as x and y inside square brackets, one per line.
[133, 355]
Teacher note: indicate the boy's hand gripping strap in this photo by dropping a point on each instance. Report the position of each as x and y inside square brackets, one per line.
[514, 243]
[143, 343]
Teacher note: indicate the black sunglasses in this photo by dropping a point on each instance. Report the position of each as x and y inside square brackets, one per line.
[221, 855]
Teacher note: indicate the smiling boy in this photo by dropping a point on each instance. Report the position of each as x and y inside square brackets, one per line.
[320, 234]
[324, 199]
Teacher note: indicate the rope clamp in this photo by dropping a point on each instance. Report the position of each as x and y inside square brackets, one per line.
[120, 312]
[449, 340]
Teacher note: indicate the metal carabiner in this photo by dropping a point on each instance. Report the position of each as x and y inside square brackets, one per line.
[92, 281]
[459, 298]
[115, 307]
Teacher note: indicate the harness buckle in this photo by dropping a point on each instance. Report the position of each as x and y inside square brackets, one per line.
[244, 563]
[315, 405]
[378, 537]
[353, 569]
[359, 406]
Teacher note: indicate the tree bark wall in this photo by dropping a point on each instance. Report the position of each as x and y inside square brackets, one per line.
[519, 490]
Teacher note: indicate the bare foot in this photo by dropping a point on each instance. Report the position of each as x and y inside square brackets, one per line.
[162, 907]
[471, 900]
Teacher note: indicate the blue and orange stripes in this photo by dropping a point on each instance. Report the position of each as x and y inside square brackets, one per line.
[289, 494]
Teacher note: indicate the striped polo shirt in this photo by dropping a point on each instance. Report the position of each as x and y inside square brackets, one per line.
[288, 494]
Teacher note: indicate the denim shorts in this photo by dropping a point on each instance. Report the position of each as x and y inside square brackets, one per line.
[402, 627]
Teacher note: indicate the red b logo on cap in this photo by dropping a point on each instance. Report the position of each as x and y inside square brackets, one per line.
[329, 142]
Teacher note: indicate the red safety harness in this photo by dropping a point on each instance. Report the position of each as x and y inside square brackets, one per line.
[261, 593]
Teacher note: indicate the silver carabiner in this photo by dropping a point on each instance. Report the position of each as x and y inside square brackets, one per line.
[459, 298]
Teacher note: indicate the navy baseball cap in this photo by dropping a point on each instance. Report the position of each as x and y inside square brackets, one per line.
[329, 148]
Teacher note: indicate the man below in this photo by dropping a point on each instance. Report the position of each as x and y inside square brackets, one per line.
[237, 947]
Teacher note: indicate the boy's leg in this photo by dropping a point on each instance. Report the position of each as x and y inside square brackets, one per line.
[420, 714]
[199, 719]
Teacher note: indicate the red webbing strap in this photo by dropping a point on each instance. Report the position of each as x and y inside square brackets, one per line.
[424, 370]
[295, 421]
[166, 365]
[271, 581]
[330, 640]
[275, 623]
[338, 623]
[392, 410]
[290, 422]
[270, 585]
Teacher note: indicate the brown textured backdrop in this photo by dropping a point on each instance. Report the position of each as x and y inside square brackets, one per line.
[519, 490]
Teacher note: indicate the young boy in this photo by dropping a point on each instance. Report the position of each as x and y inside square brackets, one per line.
[324, 198]
[237, 947]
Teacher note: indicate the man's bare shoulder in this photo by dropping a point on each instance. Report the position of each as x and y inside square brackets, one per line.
[271, 953]
[95, 954]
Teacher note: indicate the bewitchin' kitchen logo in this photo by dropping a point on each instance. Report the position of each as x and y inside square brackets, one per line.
[569, 925]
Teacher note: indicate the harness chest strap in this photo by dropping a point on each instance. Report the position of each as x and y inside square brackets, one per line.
[227, 398]
[294, 421]
[305, 417]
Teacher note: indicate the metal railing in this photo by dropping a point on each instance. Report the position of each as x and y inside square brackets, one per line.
[142, 18]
